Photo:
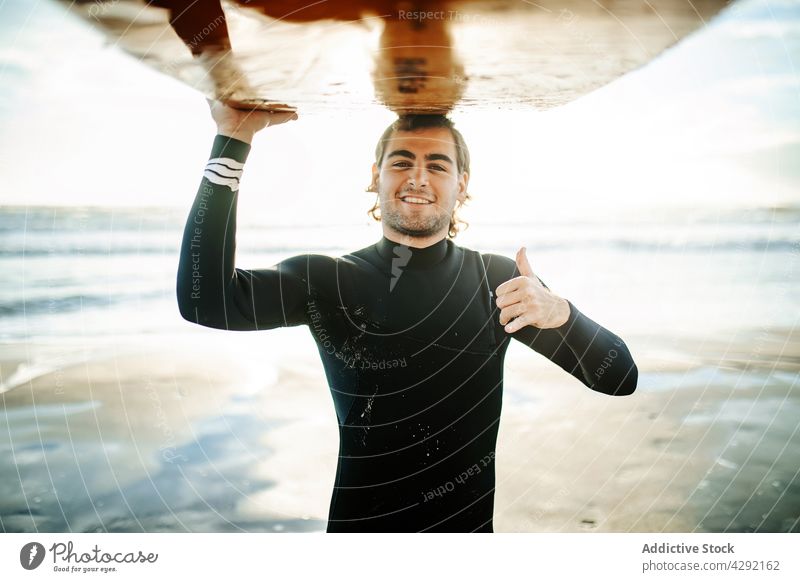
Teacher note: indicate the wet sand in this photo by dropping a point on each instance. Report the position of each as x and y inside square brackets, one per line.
[195, 438]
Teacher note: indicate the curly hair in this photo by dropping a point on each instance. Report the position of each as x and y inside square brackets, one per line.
[413, 122]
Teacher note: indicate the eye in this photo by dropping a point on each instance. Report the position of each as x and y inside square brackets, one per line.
[438, 168]
[402, 164]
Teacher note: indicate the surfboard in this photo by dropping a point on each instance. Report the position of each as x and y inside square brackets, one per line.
[424, 56]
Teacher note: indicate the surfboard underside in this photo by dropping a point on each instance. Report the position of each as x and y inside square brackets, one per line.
[428, 56]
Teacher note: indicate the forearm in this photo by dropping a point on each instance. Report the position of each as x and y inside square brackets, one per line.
[600, 356]
[207, 288]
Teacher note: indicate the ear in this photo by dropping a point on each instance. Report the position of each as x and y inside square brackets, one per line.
[463, 182]
[374, 184]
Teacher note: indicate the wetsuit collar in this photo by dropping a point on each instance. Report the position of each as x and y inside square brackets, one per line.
[419, 257]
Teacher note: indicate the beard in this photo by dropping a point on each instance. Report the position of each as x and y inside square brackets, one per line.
[420, 225]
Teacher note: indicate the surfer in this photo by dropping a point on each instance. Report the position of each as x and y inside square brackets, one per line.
[412, 331]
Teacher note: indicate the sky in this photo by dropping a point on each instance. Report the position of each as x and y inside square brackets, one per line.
[713, 122]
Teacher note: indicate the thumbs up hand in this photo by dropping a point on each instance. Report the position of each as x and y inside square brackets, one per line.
[524, 300]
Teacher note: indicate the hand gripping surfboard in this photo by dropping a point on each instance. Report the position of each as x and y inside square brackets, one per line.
[423, 56]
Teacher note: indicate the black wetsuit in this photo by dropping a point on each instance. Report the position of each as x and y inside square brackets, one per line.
[413, 352]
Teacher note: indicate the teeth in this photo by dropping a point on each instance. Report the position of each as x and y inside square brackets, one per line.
[415, 200]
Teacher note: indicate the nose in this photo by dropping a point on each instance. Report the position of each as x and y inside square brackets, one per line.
[418, 177]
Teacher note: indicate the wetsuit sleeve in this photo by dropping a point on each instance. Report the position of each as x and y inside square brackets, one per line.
[210, 291]
[587, 350]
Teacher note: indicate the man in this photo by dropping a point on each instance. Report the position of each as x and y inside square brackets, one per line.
[412, 330]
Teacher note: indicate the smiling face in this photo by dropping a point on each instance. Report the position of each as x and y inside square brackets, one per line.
[419, 185]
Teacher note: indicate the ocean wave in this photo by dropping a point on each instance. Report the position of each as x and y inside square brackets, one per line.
[73, 302]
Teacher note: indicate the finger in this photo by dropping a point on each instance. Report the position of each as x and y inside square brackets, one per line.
[517, 324]
[257, 105]
[510, 298]
[511, 312]
[523, 266]
[283, 117]
[509, 286]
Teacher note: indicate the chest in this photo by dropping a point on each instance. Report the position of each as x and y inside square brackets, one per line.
[449, 307]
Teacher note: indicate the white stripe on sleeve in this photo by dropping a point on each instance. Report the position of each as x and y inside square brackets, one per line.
[224, 171]
[232, 183]
[230, 162]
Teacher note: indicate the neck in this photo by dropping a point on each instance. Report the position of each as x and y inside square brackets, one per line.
[414, 255]
[417, 242]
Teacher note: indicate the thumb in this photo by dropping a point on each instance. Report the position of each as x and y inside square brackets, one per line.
[523, 266]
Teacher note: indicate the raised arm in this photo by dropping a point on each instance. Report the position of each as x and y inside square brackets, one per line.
[210, 290]
[558, 330]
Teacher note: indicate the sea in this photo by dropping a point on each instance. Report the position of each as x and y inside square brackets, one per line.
[83, 274]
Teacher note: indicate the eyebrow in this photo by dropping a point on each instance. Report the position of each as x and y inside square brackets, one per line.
[429, 157]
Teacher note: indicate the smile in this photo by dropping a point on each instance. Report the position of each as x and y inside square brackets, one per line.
[415, 200]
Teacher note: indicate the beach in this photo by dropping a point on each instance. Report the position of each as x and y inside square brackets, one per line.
[708, 448]
[118, 415]
[172, 439]
[203, 436]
